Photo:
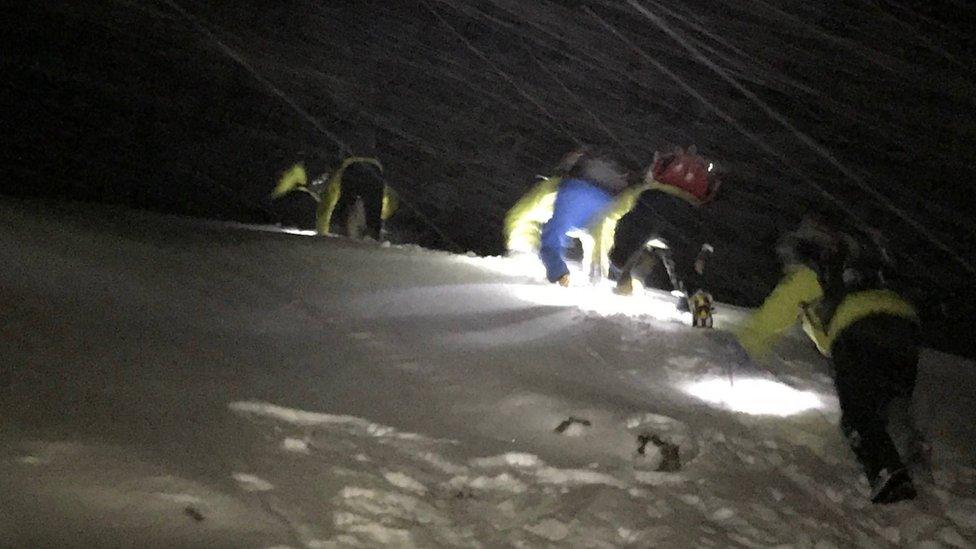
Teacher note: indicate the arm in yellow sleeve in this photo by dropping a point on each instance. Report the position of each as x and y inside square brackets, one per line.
[292, 178]
[779, 311]
[605, 229]
[391, 202]
[523, 222]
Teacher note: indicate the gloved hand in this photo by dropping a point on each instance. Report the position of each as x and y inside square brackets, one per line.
[705, 251]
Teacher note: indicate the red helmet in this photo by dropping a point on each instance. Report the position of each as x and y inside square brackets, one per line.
[687, 171]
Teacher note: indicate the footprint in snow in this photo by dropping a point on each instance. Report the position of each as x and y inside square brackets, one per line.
[653, 438]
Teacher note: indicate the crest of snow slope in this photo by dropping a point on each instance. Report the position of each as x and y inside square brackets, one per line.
[402, 397]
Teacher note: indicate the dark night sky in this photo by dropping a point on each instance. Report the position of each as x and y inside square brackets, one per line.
[128, 102]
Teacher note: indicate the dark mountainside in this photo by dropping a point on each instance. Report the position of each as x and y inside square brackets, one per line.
[859, 106]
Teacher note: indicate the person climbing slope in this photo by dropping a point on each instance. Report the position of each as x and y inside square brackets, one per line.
[836, 284]
[661, 242]
[582, 201]
[594, 196]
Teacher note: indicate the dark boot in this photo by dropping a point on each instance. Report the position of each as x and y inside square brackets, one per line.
[909, 439]
[892, 487]
[625, 286]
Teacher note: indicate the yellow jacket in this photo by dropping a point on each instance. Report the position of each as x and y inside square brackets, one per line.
[797, 295]
[524, 221]
[604, 230]
[296, 178]
[333, 189]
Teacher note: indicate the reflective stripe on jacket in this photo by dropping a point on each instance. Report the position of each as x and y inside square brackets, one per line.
[797, 294]
[673, 191]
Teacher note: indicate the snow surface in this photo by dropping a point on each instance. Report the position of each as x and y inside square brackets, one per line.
[168, 382]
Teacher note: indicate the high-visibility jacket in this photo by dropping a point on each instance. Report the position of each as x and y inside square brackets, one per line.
[296, 177]
[797, 296]
[524, 221]
[605, 229]
[333, 189]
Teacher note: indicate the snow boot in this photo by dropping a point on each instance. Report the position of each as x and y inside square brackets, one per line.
[892, 487]
[624, 287]
[909, 439]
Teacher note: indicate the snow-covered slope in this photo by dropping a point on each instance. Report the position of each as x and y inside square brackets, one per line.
[168, 382]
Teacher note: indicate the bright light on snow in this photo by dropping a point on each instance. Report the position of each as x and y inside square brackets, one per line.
[754, 396]
[516, 264]
[302, 232]
[496, 362]
[601, 300]
[598, 299]
[263, 228]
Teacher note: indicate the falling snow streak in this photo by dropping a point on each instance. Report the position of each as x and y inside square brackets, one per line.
[471, 99]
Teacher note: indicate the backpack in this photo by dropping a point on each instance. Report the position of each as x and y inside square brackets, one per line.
[596, 166]
[846, 261]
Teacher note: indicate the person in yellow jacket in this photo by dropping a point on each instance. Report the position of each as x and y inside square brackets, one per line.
[524, 220]
[662, 242]
[584, 200]
[352, 201]
[835, 286]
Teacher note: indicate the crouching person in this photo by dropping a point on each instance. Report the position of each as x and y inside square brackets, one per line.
[584, 208]
[836, 286]
[353, 201]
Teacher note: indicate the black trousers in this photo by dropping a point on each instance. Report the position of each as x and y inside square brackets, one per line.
[875, 362]
[671, 269]
[359, 181]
